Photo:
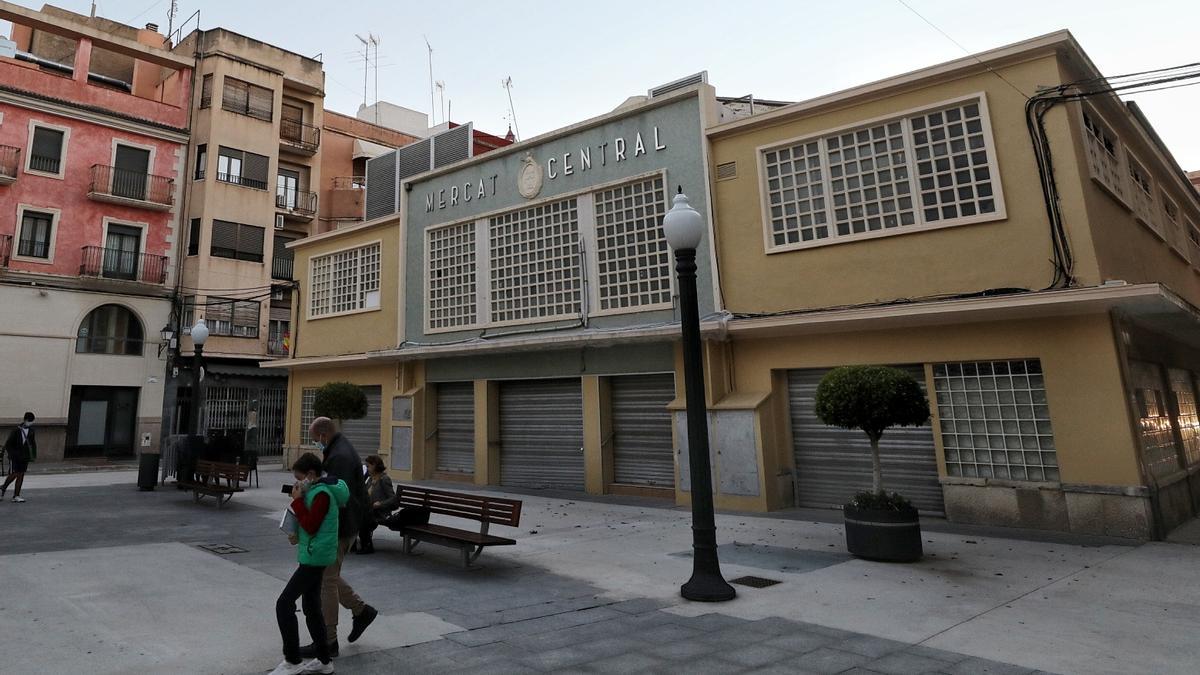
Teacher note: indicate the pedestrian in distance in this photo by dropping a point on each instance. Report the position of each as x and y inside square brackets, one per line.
[379, 491]
[21, 448]
[341, 461]
[317, 502]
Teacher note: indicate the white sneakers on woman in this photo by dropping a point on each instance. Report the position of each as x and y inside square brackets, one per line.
[303, 668]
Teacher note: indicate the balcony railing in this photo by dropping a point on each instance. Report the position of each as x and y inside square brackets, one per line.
[33, 248]
[276, 347]
[112, 263]
[110, 183]
[8, 163]
[44, 164]
[281, 268]
[299, 135]
[242, 180]
[5, 249]
[350, 183]
[300, 202]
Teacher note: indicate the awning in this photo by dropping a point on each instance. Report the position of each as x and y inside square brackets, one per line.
[236, 370]
[368, 149]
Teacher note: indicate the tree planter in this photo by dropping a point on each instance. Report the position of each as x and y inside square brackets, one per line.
[886, 536]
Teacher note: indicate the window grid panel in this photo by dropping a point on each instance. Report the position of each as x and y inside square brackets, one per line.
[796, 194]
[341, 281]
[868, 179]
[452, 289]
[995, 420]
[1189, 421]
[1174, 226]
[535, 265]
[1142, 194]
[308, 396]
[632, 257]
[1103, 160]
[345, 295]
[321, 283]
[368, 271]
[953, 163]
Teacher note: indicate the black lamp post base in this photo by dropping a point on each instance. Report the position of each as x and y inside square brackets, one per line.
[707, 587]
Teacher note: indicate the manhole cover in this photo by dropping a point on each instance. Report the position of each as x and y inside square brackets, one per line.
[754, 582]
[222, 549]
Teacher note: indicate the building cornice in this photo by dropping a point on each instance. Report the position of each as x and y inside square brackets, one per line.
[94, 114]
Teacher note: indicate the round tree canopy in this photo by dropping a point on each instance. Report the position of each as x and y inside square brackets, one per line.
[870, 398]
[340, 401]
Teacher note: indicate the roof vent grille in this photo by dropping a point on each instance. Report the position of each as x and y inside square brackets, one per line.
[683, 83]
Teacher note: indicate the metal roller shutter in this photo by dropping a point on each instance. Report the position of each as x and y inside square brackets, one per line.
[456, 427]
[364, 433]
[832, 464]
[641, 423]
[541, 434]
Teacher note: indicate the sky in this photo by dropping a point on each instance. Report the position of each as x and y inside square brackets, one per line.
[570, 61]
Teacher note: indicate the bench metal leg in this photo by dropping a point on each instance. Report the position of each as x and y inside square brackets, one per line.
[469, 556]
[409, 544]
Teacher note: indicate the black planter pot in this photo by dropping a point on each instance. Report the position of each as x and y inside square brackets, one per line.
[886, 536]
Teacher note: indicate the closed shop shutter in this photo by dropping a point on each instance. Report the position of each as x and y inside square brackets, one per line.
[541, 434]
[364, 433]
[641, 423]
[833, 464]
[456, 427]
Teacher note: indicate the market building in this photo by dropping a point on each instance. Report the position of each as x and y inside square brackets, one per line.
[94, 121]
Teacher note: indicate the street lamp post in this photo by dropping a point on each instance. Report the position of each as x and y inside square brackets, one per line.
[683, 228]
[199, 337]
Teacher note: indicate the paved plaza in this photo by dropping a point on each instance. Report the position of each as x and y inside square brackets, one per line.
[98, 577]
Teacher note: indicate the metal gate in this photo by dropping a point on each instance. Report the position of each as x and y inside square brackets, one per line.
[456, 427]
[226, 413]
[364, 433]
[541, 434]
[641, 424]
[832, 464]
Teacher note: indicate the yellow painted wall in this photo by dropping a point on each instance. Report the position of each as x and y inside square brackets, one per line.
[1013, 252]
[359, 332]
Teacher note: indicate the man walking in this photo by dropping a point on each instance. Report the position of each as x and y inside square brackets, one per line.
[21, 448]
[341, 461]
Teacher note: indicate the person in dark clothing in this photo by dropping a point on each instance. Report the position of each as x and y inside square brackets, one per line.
[341, 461]
[21, 448]
[379, 491]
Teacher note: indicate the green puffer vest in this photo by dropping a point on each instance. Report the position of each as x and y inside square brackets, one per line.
[320, 549]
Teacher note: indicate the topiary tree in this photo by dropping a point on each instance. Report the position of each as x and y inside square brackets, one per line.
[873, 399]
[340, 401]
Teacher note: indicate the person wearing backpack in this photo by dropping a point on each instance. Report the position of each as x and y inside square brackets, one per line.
[21, 448]
[316, 503]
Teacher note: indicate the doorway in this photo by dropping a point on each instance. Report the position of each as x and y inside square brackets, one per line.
[102, 422]
[130, 171]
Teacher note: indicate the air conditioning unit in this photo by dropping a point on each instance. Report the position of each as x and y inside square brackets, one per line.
[279, 221]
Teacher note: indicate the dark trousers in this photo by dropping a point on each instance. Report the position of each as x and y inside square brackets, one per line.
[366, 529]
[306, 585]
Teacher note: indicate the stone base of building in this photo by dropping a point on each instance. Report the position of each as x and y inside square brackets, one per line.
[1079, 509]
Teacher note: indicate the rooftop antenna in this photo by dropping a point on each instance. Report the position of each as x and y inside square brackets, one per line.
[366, 63]
[432, 108]
[375, 41]
[170, 15]
[441, 89]
[507, 84]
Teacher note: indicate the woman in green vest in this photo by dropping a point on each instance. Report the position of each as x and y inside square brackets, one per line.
[316, 501]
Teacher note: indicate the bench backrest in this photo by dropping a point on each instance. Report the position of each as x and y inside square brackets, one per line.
[463, 505]
[223, 470]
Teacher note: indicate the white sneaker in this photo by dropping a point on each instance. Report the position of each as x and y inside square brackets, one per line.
[285, 668]
[18, 500]
[315, 666]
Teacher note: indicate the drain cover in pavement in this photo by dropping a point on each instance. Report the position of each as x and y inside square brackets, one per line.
[754, 582]
[222, 549]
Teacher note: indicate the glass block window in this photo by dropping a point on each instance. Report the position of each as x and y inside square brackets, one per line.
[345, 281]
[861, 181]
[1158, 439]
[1142, 194]
[995, 421]
[1103, 160]
[1189, 423]
[451, 297]
[632, 255]
[307, 396]
[953, 164]
[535, 263]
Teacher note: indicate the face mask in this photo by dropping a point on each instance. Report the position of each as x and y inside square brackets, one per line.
[319, 445]
[27, 425]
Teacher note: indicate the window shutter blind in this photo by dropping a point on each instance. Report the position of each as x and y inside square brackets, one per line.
[224, 236]
[261, 102]
[246, 314]
[218, 309]
[250, 242]
[255, 169]
[194, 238]
[206, 91]
[47, 142]
[235, 95]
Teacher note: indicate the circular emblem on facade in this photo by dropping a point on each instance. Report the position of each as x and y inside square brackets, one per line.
[529, 177]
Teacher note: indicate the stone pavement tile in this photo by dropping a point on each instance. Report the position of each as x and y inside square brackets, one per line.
[977, 666]
[708, 666]
[639, 605]
[467, 621]
[933, 653]
[869, 645]
[627, 663]
[483, 636]
[827, 661]
[547, 609]
[712, 621]
[684, 650]
[904, 663]
[776, 625]
[781, 669]
[486, 669]
[859, 670]
[668, 632]
[431, 649]
[556, 659]
[836, 633]
[755, 656]
[799, 642]
[574, 635]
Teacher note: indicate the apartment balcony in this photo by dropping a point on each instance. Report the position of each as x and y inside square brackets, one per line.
[281, 268]
[5, 249]
[298, 138]
[111, 263]
[275, 347]
[297, 205]
[44, 164]
[131, 188]
[8, 164]
[346, 199]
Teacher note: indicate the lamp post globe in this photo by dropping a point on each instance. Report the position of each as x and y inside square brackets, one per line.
[199, 334]
[683, 228]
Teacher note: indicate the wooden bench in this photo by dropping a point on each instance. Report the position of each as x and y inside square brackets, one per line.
[217, 479]
[485, 510]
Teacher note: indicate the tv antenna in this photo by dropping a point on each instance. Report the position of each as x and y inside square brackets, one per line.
[432, 108]
[368, 42]
[512, 112]
[441, 90]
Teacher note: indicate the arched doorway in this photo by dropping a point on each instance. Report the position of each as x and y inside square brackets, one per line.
[102, 420]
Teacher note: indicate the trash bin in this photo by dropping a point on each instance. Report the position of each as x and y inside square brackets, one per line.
[148, 471]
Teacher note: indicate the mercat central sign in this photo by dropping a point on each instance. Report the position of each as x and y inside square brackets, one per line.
[533, 173]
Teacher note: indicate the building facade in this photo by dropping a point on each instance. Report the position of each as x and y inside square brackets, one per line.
[93, 141]
[348, 143]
